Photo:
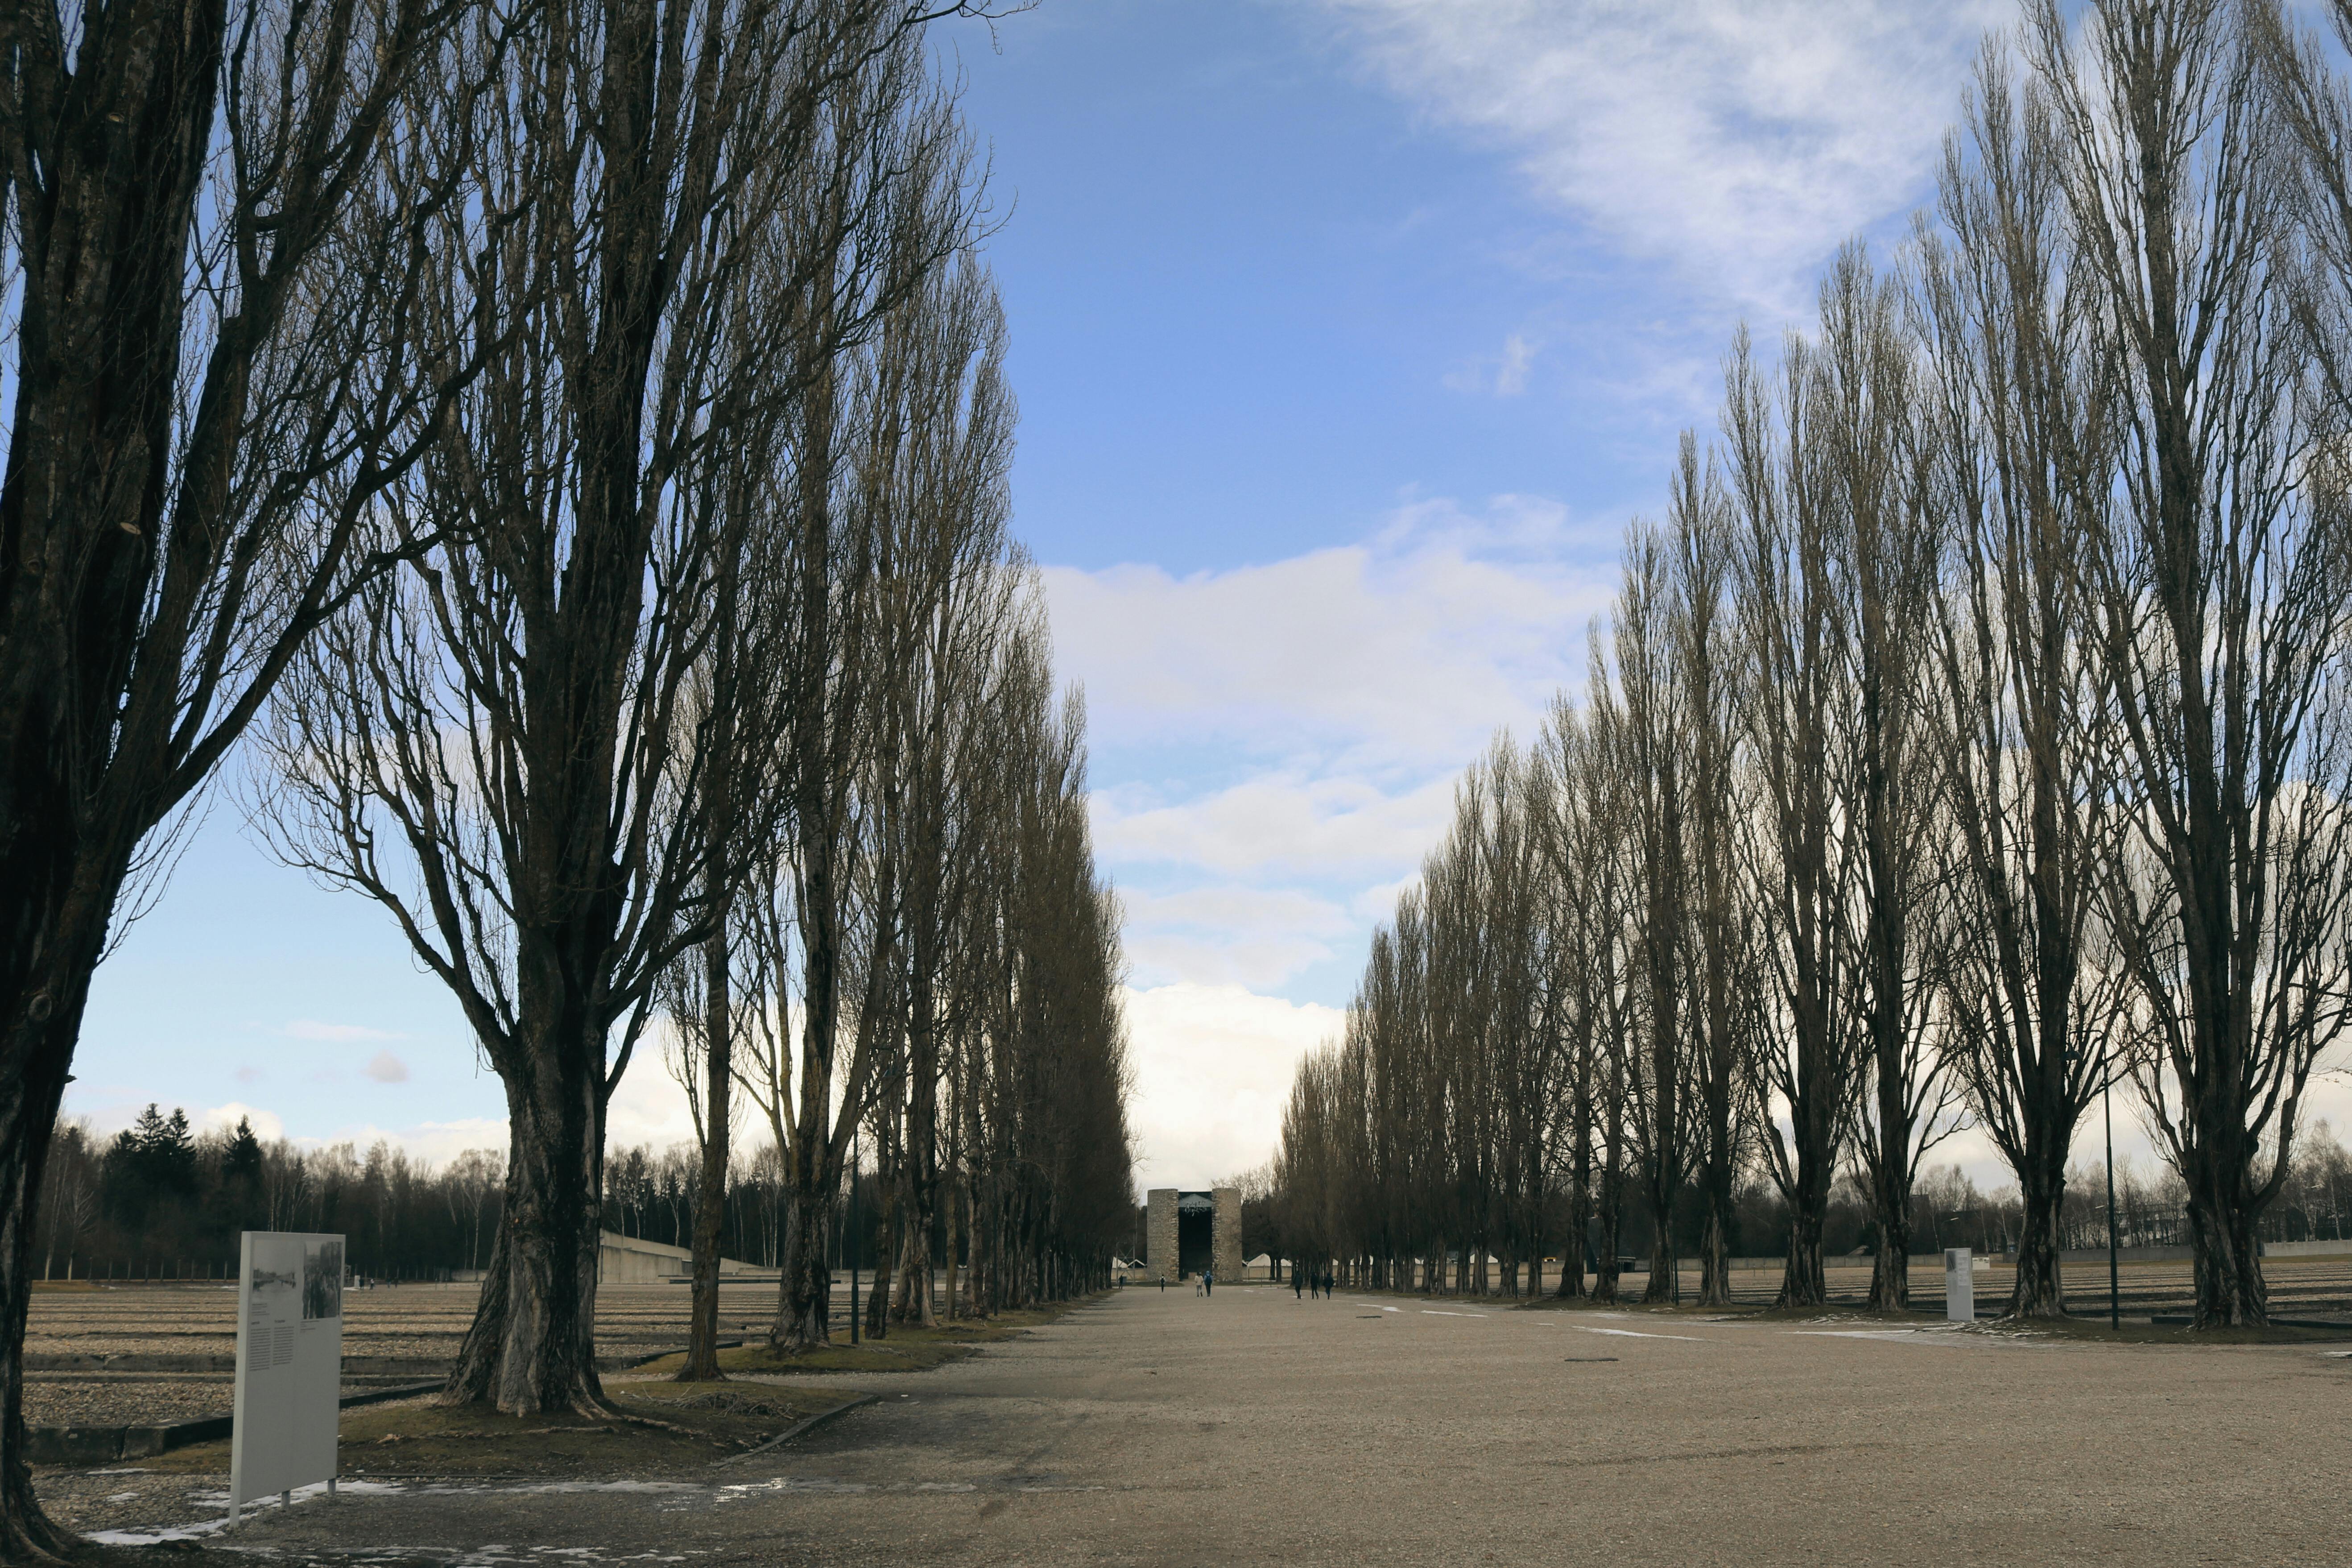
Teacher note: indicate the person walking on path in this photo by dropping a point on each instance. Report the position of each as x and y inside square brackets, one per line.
[1208, 1281]
[1298, 1282]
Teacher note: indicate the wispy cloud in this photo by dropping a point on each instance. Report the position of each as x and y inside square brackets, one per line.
[1228, 934]
[1279, 822]
[385, 1067]
[1505, 374]
[1738, 142]
[334, 1034]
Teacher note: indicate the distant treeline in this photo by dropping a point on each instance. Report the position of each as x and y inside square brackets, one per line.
[160, 1200]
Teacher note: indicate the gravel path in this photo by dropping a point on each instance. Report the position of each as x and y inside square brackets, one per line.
[1254, 1427]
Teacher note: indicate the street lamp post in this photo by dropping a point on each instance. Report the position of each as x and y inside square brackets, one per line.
[851, 1247]
[2114, 1288]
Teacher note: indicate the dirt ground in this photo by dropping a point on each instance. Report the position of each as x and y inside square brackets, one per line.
[1251, 1426]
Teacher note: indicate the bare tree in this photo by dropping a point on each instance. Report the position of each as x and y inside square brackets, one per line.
[215, 216]
[1648, 734]
[2218, 578]
[1884, 560]
[1795, 628]
[708, 209]
[2020, 422]
[1720, 958]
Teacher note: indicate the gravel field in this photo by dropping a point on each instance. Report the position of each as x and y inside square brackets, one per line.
[2299, 1287]
[1254, 1427]
[410, 1330]
[407, 1322]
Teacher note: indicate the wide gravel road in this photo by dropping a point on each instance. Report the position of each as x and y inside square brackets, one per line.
[1255, 1427]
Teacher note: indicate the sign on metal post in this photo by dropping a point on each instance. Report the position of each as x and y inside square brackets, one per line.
[1959, 1286]
[290, 1364]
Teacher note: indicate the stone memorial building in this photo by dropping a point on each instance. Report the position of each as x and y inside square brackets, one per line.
[1187, 1232]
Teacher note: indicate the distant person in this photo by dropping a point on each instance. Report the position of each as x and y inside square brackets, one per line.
[1196, 1284]
[1208, 1281]
[1298, 1282]
[1163, 1284]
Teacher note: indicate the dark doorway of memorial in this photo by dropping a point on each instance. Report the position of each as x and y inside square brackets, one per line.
[1195, 1215]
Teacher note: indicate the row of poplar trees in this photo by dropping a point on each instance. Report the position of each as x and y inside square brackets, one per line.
[1970, 734]
[570, 436]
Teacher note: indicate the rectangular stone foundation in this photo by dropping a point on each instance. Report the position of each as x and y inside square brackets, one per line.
[1225, 1233]
[1160, 1235]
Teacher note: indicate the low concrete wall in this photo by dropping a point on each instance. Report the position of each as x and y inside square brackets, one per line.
[627, 1261]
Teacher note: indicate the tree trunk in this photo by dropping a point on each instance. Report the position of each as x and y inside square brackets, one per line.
[28, 1117]
[1802, 1280]
[1579, 1226]
[1611, 1216]
[1664, 1264]
[1715, 1244]
[805, 1290]
[1890, 1271]
[711, 1184]
[533, 1346]
[2040, 1290]
[2231, 1290]
[887, 1177]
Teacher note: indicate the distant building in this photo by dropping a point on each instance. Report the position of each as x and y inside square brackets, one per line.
[1186, 1232]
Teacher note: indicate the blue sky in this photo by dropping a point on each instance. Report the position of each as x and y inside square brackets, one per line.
[1348, 335]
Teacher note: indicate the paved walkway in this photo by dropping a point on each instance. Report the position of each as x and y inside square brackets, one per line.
[1254, 1427]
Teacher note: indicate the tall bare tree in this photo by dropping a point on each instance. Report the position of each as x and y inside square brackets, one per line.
[710, 206]
[1870, 445]
[2219, 579]
[1795, 628]
[1648, 734]
[214, 241]
[1719, 946]
[2020, 420]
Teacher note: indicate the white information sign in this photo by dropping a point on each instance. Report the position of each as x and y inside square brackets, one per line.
[1959, 1286]
[290, 1364]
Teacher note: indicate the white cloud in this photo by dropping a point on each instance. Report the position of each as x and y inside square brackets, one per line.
[649, 1106]
[1738, 141]
[225, 1118]
[385, 1067]
[1518, 359]
[1505, 374]
[1212, 1070]
[1229, 934]
[337, 1034]
[1278, 821]
[1406, 650]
